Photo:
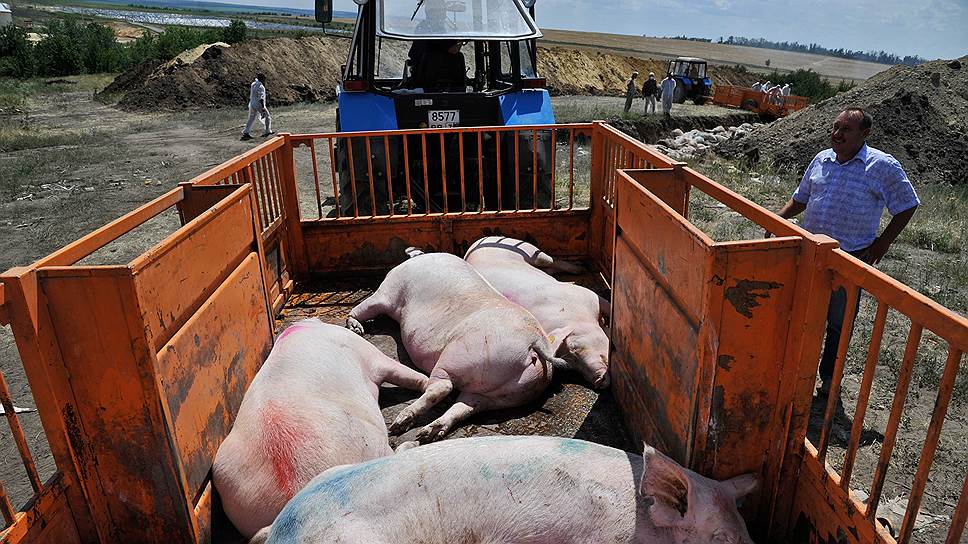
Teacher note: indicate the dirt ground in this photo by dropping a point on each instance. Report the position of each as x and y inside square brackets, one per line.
[89, 163]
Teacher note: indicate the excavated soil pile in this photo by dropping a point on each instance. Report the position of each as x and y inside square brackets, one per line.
[307, 70]
[577, 71]
[920, 116]
[303, 70]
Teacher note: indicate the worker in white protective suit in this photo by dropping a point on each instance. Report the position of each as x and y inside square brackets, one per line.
[666, 89]
[257, 108]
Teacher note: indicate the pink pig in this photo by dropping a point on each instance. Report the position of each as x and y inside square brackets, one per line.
[465, 334]
[570, 313]
[515, 490]
[312, 406]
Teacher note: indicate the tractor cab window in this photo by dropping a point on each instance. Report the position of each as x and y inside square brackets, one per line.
[455, 19]
[697, 71]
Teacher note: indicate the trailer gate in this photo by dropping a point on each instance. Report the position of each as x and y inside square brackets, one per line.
[137, 369]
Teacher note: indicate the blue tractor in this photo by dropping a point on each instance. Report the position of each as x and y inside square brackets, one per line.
[441, 64]
[692, 81]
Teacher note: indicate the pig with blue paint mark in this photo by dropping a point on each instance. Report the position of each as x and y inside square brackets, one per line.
[515, 490]
[312, 405]
[462, 332]
[570, 313]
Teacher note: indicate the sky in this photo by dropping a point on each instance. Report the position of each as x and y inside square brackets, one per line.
[928, 28]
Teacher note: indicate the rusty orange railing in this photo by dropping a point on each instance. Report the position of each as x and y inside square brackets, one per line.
[473, 159]
[924, 315]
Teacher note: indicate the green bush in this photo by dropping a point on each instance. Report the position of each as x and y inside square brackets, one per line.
[16, 53]
[234, 33]
[70, 47]
[809, 84]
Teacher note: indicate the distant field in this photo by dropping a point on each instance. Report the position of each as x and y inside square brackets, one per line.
[753, 58]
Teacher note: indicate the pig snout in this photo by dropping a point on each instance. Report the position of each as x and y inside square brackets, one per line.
[596, 372]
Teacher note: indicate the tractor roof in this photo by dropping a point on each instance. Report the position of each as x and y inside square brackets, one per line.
[454, 20]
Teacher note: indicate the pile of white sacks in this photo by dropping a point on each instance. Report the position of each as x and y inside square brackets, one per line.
[695, 143]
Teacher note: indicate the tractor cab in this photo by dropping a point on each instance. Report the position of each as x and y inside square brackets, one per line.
[438, 64]
[692, 80]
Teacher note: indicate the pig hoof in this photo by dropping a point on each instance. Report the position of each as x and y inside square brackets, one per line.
[403, 422]
[431, 433]
[354, 325]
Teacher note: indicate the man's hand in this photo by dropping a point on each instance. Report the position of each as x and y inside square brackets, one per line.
[876, 251]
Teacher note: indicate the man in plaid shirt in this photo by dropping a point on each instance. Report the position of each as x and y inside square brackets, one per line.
[844, 192]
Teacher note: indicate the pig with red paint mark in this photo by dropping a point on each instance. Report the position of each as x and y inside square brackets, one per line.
[313, 405]
[570, 313]
[466, 335]
[515, 490]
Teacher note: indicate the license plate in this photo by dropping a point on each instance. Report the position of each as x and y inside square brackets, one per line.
[443, 118]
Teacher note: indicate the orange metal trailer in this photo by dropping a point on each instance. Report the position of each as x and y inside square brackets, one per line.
[138, 368]
[757, 101]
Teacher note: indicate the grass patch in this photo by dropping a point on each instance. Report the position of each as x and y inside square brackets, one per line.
[18, 139]
[575, 112]
[19, 93]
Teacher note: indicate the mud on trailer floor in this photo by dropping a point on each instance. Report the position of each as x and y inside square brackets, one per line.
[568, 408]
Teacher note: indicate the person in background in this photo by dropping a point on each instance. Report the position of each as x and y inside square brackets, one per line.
[257, 108]
[765, 88]
[649, 89]
[630, 91]
[785, 90]
[844, 192]
[757, 86]
[666, 89]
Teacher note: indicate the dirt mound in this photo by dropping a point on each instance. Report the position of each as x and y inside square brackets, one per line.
[296, 71]
[920, 114]
[583, 72]
[307, 70]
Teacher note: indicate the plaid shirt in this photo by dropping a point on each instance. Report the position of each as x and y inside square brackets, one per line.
[846, 201]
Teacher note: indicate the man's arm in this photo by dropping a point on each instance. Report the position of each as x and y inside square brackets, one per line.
[790, 209]
[882, 243]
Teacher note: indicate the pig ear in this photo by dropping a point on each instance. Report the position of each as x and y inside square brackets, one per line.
[740, 486]
[666, 484]
[556, 339]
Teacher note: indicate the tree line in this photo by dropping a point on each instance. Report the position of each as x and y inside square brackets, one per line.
[69, 46]
[880, 57]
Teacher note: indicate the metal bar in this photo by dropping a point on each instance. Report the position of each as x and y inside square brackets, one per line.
[945, 389]
[6, 508]
[463, 191]
[853, 293]
[275, 178]
[259, 193]
[332, 167]
[864, 394]
[423, 144]
[349, 159]
[890, 434]
[497, 139]
[416, 131]
[406, 170]
[517, 171]
[319, 198]
[18, 434]
[443, 173]
[534, 168]
[571, 169]
[369, 175]
[480, 172]
[554, 167]
[959, 517]
[269, 182]
[386, 149]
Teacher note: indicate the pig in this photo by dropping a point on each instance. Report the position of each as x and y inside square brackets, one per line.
[462, 332]
[312, 405]
[570, 313]
[515, 489]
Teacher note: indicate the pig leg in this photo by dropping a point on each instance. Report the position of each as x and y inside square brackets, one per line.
[436, 391]
[467, 405]
[401, 375]
[374, 305]
[548, 263]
